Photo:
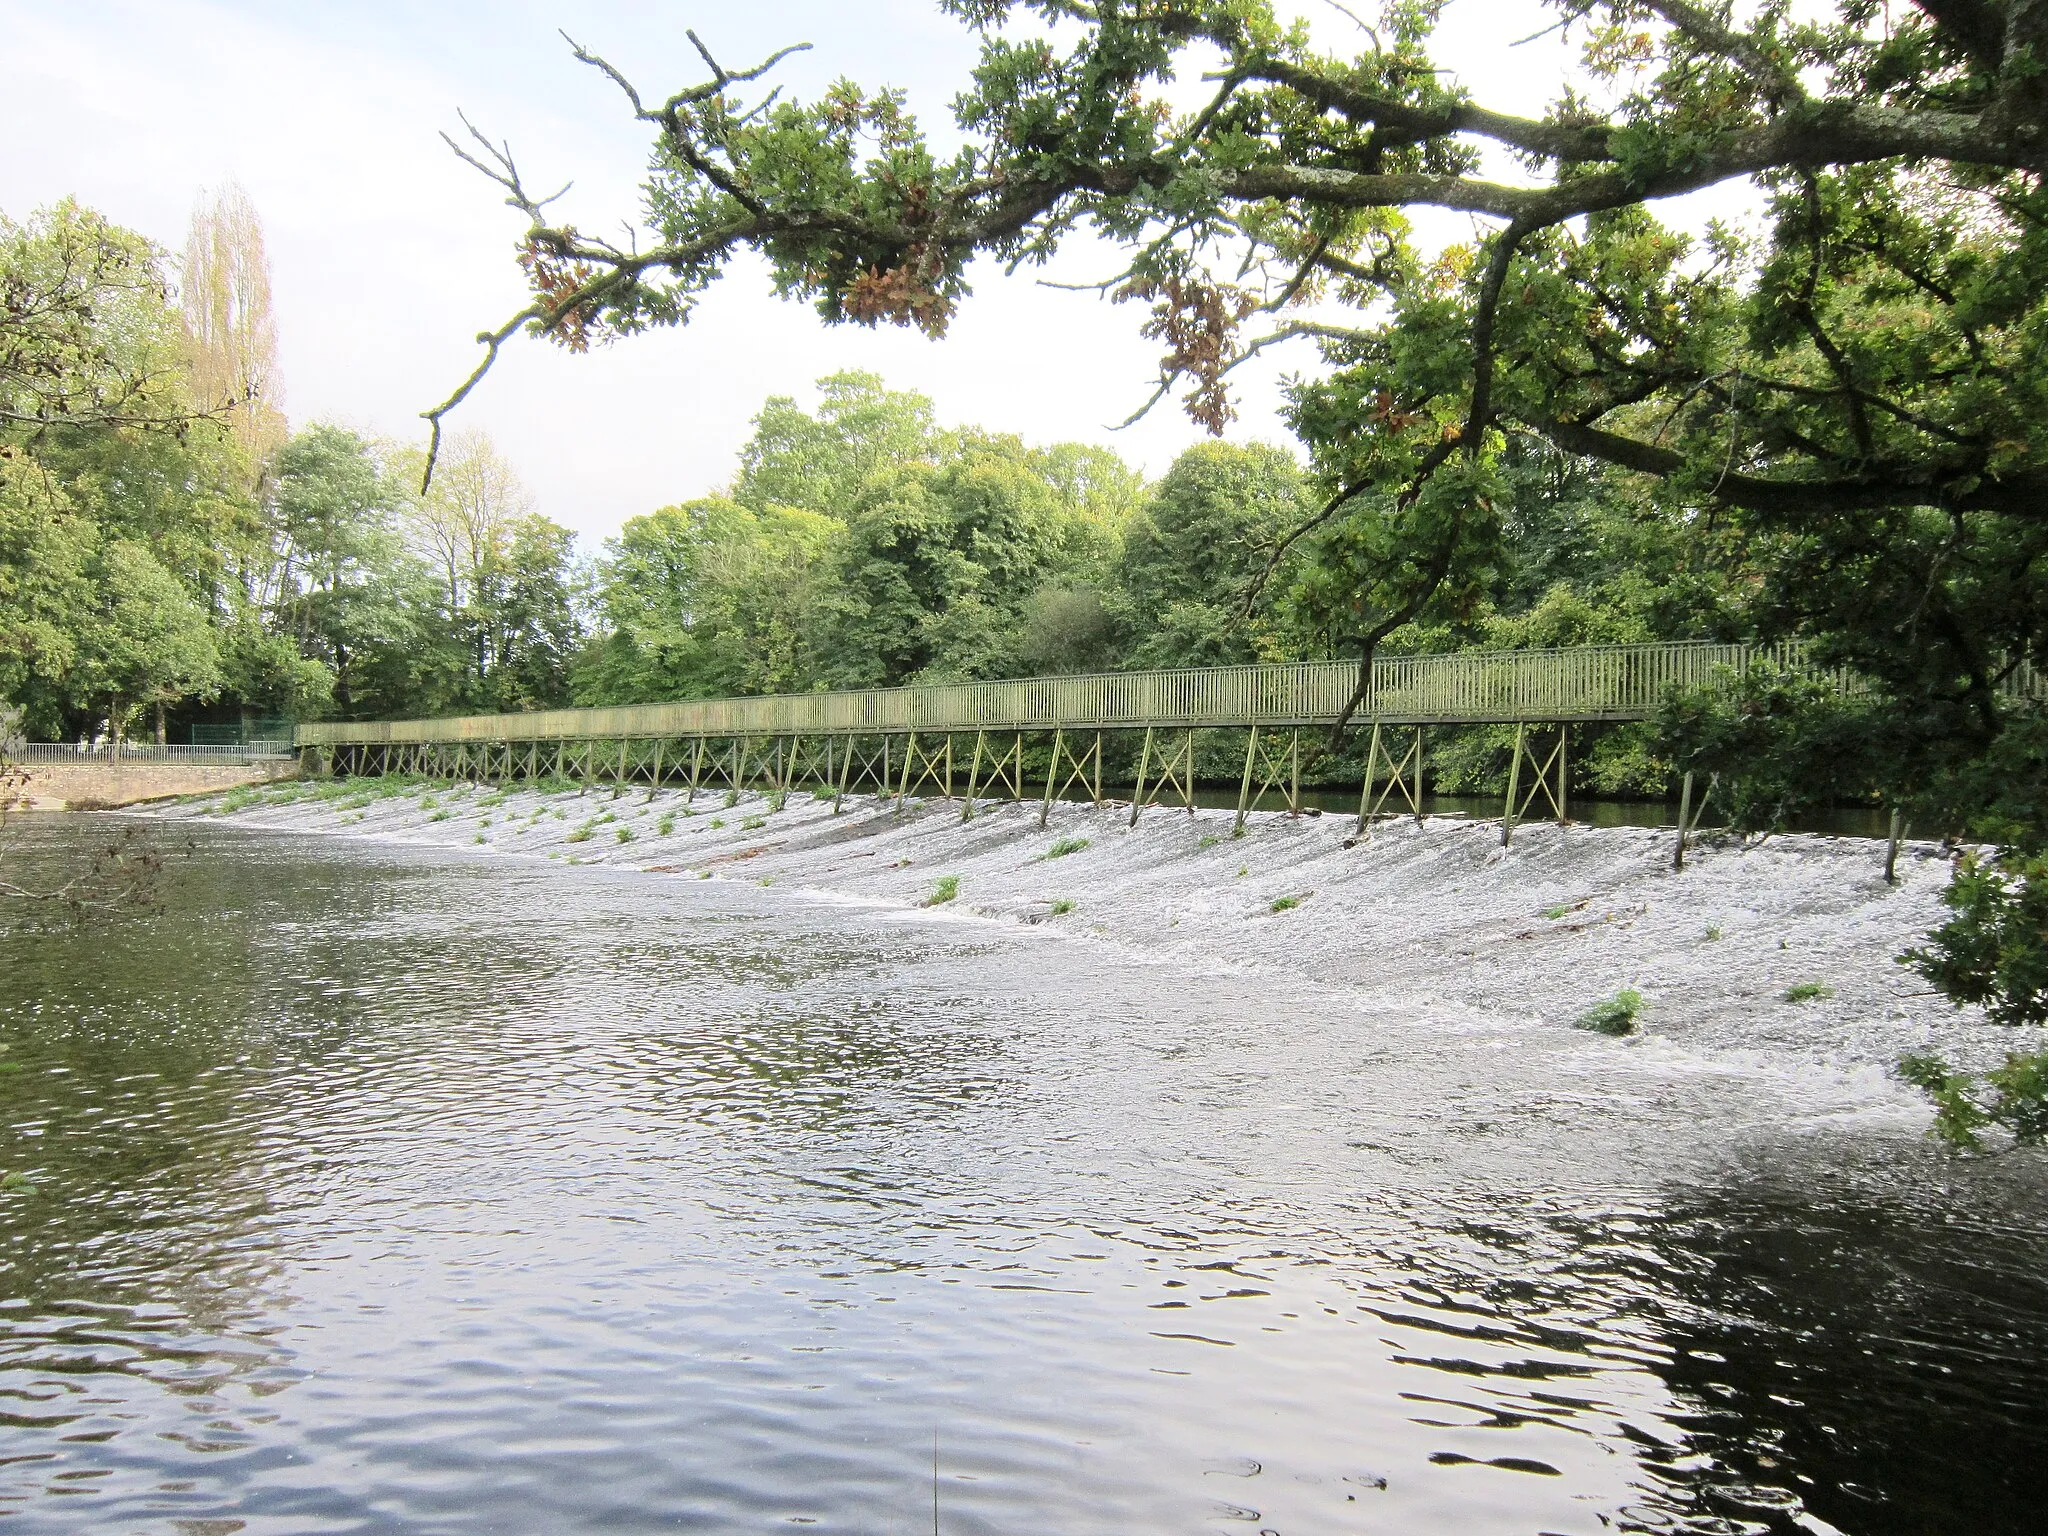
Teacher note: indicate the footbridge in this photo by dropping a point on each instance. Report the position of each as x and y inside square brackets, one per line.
[972, 741]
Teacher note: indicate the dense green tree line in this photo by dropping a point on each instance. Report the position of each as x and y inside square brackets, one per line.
[864, 546]
[158, 565]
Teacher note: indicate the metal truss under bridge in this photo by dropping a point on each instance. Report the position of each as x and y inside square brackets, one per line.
[911, 741]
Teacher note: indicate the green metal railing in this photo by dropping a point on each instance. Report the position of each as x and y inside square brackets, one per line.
[901, 742]
[1581, 683]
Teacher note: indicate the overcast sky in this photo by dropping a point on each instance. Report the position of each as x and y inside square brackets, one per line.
[388, 255]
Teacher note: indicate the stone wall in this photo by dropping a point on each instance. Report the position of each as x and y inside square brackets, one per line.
[94, 786]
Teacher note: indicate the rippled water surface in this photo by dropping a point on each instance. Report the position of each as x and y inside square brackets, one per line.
[377, 1189]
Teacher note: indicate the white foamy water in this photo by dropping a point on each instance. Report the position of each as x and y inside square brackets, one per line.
[1433, 919]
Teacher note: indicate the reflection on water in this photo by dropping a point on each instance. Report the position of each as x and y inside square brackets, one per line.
[378, 1190]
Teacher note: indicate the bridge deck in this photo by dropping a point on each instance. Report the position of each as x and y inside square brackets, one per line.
[1582, 683]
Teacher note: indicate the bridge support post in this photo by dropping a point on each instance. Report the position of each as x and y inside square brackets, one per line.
[1687, 825]
[1517, 808]
[845, 769]
[903, 784]
[1564, 778]
[1684, 810]
[1144, 763]
[1052, 769]
[1507, 815]
[1282, 773]
[1176, 771]
[974, 775]
[1244, 785]
[696, 772]
[1891, 848]
[1372, 764]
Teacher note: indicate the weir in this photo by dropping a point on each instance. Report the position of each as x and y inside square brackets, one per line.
[913, 740]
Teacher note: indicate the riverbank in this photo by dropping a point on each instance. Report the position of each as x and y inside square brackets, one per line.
[94, 784]
[1433, 919]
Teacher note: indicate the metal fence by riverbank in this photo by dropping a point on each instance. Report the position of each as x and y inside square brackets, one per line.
[82, 754]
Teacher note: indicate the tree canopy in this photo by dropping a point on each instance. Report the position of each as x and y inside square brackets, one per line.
[167, 548]
[861, 544]
[1847, 392]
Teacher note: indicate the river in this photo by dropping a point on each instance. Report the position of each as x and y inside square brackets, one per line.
[378, 1188]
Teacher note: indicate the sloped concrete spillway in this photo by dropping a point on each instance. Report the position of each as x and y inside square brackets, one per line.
[398, 1180]
[1435, 916]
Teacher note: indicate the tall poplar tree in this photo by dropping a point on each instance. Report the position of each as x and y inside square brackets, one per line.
[225, 295]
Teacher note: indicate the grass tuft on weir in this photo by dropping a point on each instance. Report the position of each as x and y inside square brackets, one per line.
[1617, 1016]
